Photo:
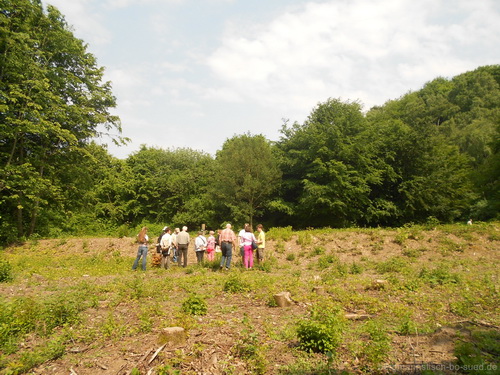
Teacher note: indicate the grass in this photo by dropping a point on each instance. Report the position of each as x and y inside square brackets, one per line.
[54, 300]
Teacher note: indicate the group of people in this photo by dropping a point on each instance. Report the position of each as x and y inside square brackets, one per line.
[173, 246]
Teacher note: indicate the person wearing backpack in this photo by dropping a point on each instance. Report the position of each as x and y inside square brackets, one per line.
[142, 239]
[158, 241]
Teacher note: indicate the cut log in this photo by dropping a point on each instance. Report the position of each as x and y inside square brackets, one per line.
[357, 316]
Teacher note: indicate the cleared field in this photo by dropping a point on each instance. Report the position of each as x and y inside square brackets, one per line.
[369, 301]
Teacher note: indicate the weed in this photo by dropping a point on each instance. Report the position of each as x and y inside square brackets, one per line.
[167, 370]
[304, 239]
[6, 274]
[322, 332]
[439, 276]
[479, 355]
[249, 347]
[355, 269]
[377, 247]
[376, 349]
[235, 285]
[290, 257]
[277, 233]
[318, 250]
[394, 264]
[194, 305]
[407, 326]
[412, 253]
[448, 245]
[326, 261]
[280, 247]
[401, 237]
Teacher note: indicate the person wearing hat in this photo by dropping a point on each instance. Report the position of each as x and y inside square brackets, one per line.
[166, 244]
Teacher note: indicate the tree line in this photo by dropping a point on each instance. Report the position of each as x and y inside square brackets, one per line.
[430, 155]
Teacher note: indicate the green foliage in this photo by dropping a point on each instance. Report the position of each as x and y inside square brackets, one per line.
[6, 273]
[250, 348]
[248, 175]
[479, 355]
[280, 233]
[194, 305]
[235, 284]
[356, 269]
[395, 264]
[322, 331]
[53, 101]
[376, 348]
[440, 275]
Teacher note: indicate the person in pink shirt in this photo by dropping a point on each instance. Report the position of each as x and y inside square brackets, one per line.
[211, 246]
[246, 240]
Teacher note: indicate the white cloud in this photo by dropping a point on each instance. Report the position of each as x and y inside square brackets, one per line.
[371, 50]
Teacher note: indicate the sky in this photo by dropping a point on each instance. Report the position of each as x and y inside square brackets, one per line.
[193, 73]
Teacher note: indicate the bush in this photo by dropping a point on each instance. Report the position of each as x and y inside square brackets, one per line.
[322, 332]
[5, 271]
[235, 285]
[377, 348]
[277, 233]
[194, 305]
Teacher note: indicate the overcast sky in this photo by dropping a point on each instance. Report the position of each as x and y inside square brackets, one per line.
[192, 73]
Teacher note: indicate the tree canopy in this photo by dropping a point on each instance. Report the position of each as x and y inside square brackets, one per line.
[432, 154]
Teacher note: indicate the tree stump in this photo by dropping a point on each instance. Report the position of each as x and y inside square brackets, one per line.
[283, 299]
[174, 335]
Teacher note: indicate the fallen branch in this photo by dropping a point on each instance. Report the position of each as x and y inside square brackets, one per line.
[156, 353]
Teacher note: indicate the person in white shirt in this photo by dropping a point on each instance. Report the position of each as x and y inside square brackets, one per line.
[166, 248]
[200, 244]
[242, 248]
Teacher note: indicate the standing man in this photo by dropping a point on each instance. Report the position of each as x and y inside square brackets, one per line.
[182, 246]
[227, 239]
[174, 244]
[261, 242]
[166, 248]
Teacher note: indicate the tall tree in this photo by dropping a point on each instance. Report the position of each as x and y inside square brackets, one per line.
[52, 100]
[328, 168]
[247, 175]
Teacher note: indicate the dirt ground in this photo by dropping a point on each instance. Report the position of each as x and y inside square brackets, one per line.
[209, 348]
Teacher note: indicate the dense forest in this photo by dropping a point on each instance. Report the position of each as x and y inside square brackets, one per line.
[430, 155]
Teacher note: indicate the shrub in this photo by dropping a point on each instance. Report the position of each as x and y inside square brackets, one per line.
[235, 285]
[356, 269]
[376, 349]
[283, 234]
[5, 271]
[194, 305]
[322, 332]
[304, 239]
[439, 276]
[394, 264]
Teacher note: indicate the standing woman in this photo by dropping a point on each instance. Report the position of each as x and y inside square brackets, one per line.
[246, 240]
[211, 246]
[200, 245]
[142, 239]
